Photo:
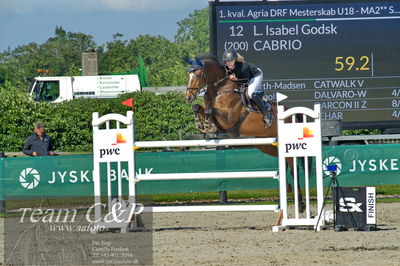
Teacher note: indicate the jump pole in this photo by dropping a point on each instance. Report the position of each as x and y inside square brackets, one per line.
[115, 145]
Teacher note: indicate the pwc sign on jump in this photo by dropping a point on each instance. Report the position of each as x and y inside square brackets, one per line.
[120, 139]
[307, 133]
[300, 140]
[113, 145]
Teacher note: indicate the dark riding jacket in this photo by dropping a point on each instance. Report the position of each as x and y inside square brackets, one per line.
[244, 71]
[42, 147]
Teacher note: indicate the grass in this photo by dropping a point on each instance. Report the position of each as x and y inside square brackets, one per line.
[385, 193]
[211, 196]
[388, 190]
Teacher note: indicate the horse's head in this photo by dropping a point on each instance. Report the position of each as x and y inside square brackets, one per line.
[196, 77]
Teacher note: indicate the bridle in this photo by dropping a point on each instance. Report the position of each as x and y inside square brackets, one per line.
[201, 77]
[198, 91]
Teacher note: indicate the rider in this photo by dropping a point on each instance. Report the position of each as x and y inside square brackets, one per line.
[239, 70]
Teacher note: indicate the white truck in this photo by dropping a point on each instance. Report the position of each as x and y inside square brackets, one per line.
[58, 89]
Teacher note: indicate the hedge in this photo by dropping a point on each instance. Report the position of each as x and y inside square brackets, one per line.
[157, 117]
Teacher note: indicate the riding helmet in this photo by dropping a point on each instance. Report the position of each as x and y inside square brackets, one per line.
[230, 55]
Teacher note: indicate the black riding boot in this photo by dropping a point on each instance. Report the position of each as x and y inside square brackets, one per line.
[256, 98]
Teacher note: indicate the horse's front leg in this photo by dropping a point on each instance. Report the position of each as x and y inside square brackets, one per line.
[199, 116]
[203, 120]
[209, 125]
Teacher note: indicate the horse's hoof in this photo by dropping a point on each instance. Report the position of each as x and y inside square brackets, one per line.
[198, 123]
[213, 128]
[302, 207]
[200, 127]
[211, 136]
[268, 120]
[267, 124]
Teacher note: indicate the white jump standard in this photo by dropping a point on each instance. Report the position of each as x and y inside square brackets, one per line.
[116, 146]
[300, 140]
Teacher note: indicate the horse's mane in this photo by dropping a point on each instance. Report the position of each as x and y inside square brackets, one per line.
[209, 57]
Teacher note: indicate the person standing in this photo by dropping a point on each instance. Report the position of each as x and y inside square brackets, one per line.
[38, 144]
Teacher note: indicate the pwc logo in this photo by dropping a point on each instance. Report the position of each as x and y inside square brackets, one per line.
[307, 133]
[120, 139]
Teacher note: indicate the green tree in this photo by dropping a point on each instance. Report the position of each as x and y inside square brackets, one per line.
[61, 53]
[58, 55]
[163, 58]
[114, 57]
[64, 50]
[21, 63]
[193, 33]
[4, 75]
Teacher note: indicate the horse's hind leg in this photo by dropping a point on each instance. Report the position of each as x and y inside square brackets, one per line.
[302, 205]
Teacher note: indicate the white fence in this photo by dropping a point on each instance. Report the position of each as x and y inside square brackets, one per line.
[116, 146]
[300, 141]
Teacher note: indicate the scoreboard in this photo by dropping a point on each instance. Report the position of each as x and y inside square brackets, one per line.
[344, 55]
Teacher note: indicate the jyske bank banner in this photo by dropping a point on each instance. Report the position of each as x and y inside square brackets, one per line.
[364, 165]
[357, 165]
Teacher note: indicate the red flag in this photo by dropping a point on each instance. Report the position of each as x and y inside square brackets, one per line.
[129, 103]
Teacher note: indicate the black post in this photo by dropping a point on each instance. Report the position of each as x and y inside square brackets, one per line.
[223, 197]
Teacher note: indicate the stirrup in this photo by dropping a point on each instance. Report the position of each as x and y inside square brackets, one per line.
[268, 120]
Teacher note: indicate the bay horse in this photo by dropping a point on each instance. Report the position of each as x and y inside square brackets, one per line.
[223, 109]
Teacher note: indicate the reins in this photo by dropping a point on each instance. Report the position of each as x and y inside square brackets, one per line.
[221, 80]
[227, 76]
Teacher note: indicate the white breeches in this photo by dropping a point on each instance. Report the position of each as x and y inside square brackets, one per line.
[254, 84]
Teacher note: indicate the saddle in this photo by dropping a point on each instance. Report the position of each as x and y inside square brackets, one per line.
[242, 88]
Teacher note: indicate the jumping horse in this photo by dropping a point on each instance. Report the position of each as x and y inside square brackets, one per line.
[223, 108]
